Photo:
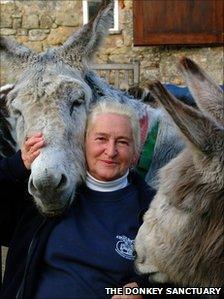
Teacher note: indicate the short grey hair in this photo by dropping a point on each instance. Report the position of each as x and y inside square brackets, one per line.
[109, 105]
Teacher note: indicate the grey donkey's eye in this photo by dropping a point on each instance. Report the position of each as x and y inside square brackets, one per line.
[76, 104]
[16, 112]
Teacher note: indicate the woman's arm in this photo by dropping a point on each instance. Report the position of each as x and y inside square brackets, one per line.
[14, 172]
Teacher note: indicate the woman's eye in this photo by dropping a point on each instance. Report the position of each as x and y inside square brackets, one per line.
[123, 142]
[101, 140]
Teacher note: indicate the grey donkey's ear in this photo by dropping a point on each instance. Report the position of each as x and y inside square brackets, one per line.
[83, 44]
[207, 94]
[15, 50]
[199, 130]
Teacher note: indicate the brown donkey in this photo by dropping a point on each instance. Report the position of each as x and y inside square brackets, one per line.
[181, 239]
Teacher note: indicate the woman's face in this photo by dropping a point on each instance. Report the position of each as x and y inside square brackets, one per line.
[109, 146]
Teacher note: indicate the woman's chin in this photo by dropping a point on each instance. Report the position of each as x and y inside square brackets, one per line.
[107, 175]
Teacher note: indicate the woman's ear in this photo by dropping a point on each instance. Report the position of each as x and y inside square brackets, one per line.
[135, 159]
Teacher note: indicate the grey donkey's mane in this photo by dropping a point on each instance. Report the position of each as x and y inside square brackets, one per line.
[101, 88]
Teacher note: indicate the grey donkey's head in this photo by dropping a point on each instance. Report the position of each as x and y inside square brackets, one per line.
[52, 96]
[181, 238]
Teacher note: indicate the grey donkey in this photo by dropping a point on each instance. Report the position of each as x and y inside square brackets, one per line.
[53, 94]
[182, 236]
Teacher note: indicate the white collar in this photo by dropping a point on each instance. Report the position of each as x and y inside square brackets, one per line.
[104, 186]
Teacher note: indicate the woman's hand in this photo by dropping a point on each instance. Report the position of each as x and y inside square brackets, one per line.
[31, 149]
[129, 285]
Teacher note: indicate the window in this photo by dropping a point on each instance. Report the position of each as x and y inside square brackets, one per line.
[185, 22]
[90, 7]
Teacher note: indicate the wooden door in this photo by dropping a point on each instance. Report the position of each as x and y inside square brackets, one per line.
[165, 22]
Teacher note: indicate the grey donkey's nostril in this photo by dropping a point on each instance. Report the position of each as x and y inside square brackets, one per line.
[48, 183]
[31, 186]
[62, 182]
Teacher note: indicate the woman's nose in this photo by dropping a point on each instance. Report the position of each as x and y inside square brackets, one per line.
[111, 149]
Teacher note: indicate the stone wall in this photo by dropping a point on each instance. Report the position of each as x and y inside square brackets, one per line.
[41, 24]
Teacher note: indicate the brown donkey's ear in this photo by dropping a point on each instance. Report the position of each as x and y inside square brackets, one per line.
[199, 130]
[207, 94]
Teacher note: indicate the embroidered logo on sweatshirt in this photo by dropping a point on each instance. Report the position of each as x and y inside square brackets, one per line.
[125, 247]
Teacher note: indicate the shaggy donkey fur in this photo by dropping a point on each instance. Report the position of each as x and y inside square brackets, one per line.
[181, 239]
[53, 95]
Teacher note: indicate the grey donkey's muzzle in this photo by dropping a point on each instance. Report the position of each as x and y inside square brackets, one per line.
[50, 185]
[50, 181]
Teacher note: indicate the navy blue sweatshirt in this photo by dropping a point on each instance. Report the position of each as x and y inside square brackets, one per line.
[12, 169]
[92, 248]
[13, 190]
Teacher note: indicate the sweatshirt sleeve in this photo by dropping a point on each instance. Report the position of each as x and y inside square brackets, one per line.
[13, 169]
[13, 186]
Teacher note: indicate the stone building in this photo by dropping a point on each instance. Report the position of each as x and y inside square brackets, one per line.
[42, 24]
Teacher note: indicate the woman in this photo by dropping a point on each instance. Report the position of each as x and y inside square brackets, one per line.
[89, 248]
